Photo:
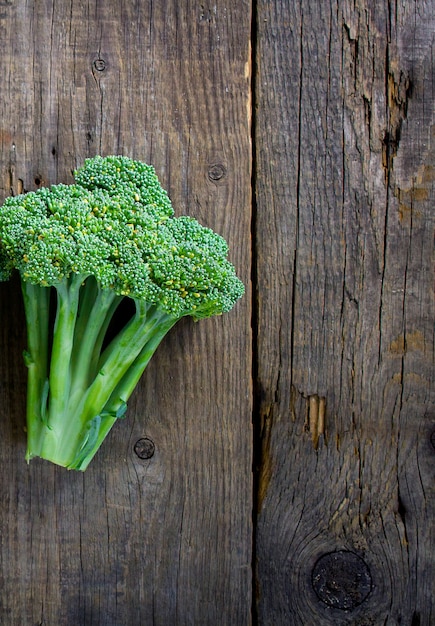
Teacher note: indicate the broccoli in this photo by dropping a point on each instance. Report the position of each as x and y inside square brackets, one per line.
[80, 250]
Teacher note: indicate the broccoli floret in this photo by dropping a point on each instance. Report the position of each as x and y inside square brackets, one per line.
[81, 249]
[126, 180]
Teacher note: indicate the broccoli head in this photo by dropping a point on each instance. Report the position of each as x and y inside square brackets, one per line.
[81, 249]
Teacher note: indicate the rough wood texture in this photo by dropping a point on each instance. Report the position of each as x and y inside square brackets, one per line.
[345, 148]
[134, 542]
[343, 229]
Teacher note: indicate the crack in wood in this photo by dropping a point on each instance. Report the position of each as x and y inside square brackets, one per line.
[265, 466]
[316, 418]
[398, 94]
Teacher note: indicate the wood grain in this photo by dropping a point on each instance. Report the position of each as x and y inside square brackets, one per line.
[343, 269]
[344, 143]
[166, 540]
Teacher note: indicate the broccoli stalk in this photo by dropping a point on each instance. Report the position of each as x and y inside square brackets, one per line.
[87, 388]
[80, 250]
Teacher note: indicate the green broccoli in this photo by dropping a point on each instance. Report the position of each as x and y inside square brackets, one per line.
[81, 249]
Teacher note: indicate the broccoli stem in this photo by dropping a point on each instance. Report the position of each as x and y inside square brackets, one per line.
[68, 295]
[152, 338]
[96, 309]
[37, 310]
[87, 390]
[49, 375]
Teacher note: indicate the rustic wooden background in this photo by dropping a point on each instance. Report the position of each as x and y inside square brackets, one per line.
[292, 478]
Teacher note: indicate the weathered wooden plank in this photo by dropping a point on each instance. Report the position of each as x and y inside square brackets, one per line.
[345, 267]
[165, 540]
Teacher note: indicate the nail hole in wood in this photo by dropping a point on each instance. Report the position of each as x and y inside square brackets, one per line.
[216, 172]
[100, 65]
[144, 448]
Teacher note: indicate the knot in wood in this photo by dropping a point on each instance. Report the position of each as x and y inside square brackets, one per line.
[216, 172]
[341, 580]
[144, 448]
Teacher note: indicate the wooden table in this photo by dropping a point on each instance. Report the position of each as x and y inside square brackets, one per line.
[286, 477]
